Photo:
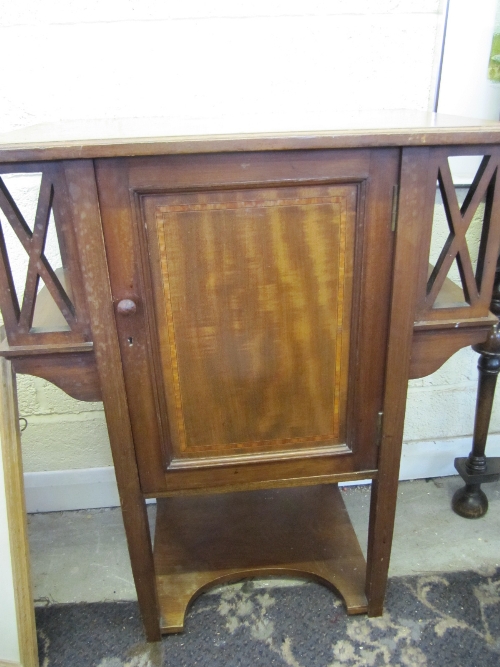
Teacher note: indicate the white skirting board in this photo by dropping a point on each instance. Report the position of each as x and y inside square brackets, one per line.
[82, 488]
[89, 488]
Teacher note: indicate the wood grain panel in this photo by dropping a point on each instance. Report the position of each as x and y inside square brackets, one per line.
[254, 315]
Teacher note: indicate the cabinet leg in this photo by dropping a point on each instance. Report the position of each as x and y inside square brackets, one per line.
[87, 224]
[470, 501]
[380, 531]
[136, 524]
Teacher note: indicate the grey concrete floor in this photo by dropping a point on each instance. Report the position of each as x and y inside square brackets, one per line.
[82, 556]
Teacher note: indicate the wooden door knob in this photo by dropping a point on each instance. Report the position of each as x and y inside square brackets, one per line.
[126, 307]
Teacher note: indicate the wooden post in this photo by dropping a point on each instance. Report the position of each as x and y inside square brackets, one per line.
[16, 516]
[404, 297]
[92, 253]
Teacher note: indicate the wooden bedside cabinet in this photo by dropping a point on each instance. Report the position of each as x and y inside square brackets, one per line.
[249, 308]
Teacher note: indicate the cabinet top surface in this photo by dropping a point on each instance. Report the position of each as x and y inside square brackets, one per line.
[160, 136]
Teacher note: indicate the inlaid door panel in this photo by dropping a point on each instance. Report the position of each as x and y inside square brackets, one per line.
[254, 353]
[253, 292]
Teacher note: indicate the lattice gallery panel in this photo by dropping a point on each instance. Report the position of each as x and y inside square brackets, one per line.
[36, 245]
[462, 254]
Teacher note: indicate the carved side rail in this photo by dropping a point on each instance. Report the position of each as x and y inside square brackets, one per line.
[46, 323]
[454, 313]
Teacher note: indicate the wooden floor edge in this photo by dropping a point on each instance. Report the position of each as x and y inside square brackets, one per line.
[16, 517]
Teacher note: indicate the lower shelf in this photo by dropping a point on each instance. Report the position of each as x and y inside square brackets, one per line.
[201, 541]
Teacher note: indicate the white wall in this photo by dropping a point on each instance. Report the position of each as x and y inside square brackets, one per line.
[236, 62]
[223, 59]
[465, 89]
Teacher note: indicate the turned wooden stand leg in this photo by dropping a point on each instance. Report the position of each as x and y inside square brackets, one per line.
[470, 501]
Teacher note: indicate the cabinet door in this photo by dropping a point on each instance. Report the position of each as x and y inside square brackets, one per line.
[256, 350]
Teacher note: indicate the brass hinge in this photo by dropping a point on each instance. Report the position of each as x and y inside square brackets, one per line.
[380, 424]
[395, 202]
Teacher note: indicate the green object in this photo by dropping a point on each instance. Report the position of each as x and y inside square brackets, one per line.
[494, 64]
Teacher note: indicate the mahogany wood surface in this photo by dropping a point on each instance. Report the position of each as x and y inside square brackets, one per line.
[250, 309]
[403, 301]
[300, 532]
[11, 351]
[430, 349]
[74, 373]
[92, 253]
[128, 189]
[159, 136]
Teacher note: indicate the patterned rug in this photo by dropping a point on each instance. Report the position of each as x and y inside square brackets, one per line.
[440, 620]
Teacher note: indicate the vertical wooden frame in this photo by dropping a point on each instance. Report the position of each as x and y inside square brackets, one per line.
[16, 516]
[413, 193]
[86, 216]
